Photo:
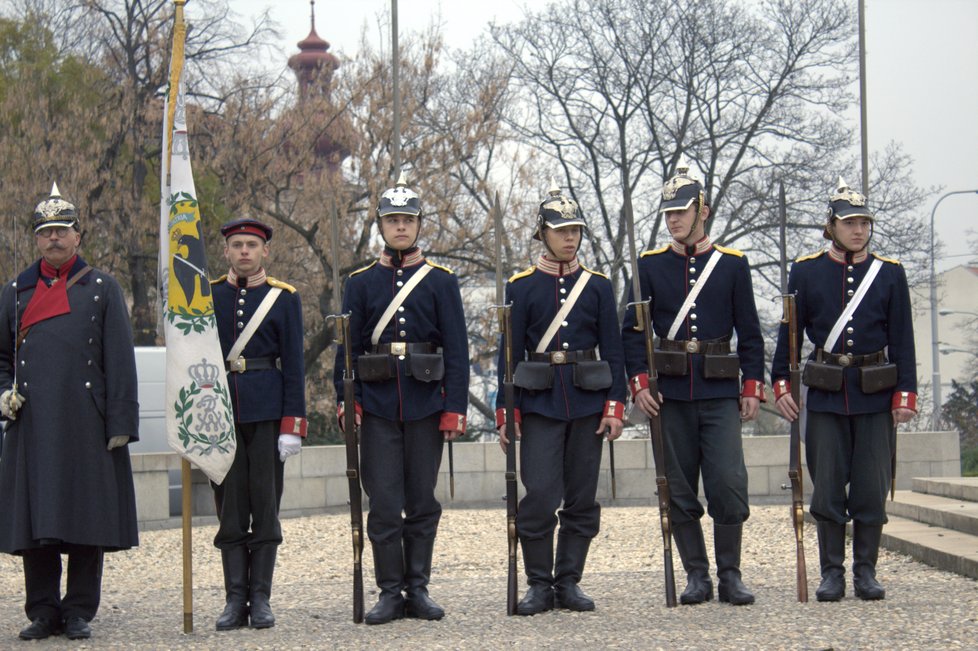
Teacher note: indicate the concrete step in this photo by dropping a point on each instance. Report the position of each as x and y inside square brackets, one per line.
[959, 488]
[945, 549]
[935, 510]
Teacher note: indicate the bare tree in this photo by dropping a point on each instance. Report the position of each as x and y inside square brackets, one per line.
[616, 90]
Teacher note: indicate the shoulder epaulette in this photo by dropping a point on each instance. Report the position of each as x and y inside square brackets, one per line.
[523, 274]
[362, 269]
[275, 282]
[890, 260]
[438, 266]
[218, 281]
[654, 251]
[811, 256]
[596, 273]
[728, 251]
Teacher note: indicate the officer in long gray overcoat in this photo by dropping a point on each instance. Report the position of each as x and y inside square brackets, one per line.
[68, 394]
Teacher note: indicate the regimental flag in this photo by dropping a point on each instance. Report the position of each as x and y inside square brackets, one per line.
[199, 417]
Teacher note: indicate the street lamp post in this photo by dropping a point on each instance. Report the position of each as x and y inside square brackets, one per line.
[935, 352]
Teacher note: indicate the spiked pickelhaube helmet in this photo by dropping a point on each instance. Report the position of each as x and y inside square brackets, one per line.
[845, 203]
[55, 211]
[558, 211]
[682, 190]
[399, 200]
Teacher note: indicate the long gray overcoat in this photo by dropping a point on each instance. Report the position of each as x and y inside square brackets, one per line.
[77, 371]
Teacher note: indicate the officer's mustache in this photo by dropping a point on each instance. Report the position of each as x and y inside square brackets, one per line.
[55, 245]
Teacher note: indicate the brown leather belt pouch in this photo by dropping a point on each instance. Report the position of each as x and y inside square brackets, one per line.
[534, 376]
[375, 368]
[592, 376]
[721, 367]
[426, 367]
[671, 362]
[873, 379]
[822, 376]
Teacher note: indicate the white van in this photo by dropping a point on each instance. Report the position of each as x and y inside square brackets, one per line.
[150, 373]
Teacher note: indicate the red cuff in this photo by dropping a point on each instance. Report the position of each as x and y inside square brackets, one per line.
[781, 387]
[614, 409]
[293, 425]
[357, 409]
[904, 400]
[637, 383]
[451, 422]
[501, 417]
[753, 389]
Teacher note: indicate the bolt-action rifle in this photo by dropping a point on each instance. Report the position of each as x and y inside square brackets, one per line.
[342, 322]
[503, 314]
[643, 317]
[789, 318]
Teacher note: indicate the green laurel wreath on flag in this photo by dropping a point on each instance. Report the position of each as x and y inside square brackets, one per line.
[191, 320]
[184, 406]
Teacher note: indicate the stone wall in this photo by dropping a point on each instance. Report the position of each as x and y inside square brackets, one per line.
[316, 479]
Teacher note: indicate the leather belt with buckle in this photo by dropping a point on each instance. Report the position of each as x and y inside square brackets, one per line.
[845, 360]
[241, 365]
[564, 356]
[696, 346]
[404, 348]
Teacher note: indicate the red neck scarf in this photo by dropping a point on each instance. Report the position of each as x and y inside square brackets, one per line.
[49, 301]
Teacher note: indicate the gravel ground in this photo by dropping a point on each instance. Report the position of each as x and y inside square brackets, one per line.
[142, 596]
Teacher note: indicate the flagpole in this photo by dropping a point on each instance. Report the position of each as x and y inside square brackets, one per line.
[186, 482]
[186, 511]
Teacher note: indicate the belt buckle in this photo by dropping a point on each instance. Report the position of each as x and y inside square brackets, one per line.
[398, 348]
[558, 357]
[692, 346]
[239, 365]
[845, 360]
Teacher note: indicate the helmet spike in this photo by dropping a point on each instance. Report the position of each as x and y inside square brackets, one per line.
[401, 180]
[682, 167]
[842, 185]
[554, 190]
[54, 189]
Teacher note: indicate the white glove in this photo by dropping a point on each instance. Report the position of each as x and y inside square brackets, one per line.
[10, 402]
[288, 445]
[117, 441]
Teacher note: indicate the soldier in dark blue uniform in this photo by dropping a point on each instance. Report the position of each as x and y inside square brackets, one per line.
[68, 375]
[706, 390]
[860, 386]
[267, 382]
[410, 348]
[570, 393]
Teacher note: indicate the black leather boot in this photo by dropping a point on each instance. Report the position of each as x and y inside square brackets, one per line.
[235, 563]
[726, 545]
[262, 568]
[571, 556]
[692, 551]
[538, 562]
[417, 572]
[865, 551]
[389, 572]
[831, 558]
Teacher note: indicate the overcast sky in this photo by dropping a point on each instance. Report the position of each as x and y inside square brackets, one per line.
[922, 76]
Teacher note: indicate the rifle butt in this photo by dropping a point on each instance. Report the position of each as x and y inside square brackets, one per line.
[357, 594]
[512, 584]
[670, 575]
[801, 577]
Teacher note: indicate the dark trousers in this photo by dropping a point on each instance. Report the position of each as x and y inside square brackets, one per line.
[42, 582]
[704, 436]
[559, 462]
[249, 497]
[854, 450]
[399, 461]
